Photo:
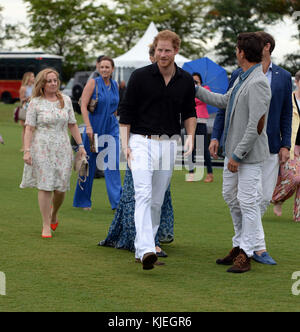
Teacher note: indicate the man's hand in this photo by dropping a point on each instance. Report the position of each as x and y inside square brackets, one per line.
[128, 155]
[284, 155]
[189, 145]
[213, 148]
[233, 165]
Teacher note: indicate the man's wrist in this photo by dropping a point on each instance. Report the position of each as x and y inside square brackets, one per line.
[236, 158]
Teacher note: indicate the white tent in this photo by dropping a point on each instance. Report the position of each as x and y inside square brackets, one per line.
[138, 56]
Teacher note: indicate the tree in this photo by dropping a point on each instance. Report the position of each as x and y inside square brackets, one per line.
[1, 28]
[231, 17]
[7, 31]
[126, 21]
[291, 63]
[58, 26]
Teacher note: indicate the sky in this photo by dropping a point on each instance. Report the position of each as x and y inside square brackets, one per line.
[15, 12]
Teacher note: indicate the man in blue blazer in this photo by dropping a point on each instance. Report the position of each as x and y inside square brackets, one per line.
[278, 131]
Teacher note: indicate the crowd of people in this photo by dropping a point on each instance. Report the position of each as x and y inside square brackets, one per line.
[257, 126]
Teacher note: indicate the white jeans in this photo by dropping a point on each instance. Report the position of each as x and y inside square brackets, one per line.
[152, 166]
[270, 169]
[241, 193]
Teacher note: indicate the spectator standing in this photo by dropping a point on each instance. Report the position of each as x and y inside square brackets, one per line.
[48, 153]
[201, 129]
[25, 94]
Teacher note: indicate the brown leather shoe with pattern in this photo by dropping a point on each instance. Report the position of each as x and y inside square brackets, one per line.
[241, 264]
[228, 260]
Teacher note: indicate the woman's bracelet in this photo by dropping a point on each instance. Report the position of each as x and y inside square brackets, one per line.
[80, 145]
[26, 150]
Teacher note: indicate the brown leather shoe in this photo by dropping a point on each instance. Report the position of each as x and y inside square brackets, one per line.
[148, 260]
[242, 263]
[228, 260]
[209, 178]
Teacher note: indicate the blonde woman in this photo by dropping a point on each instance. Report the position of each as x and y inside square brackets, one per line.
[47, 150]
[25, 94]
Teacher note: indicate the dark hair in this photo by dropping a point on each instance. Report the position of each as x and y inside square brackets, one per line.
[99, 58]
[199, 75]
[267, 38]
[151, 50]
[252, 45]
[297, 76]
[107, 58]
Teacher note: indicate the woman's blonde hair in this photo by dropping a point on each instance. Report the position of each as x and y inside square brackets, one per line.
[40, 82]
[26, 78]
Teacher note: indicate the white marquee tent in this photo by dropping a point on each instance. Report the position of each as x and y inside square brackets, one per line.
[138, 56]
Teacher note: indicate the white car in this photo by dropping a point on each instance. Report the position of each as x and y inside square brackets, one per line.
[68, 88]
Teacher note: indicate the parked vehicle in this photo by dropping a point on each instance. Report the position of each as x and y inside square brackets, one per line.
[13, 65]
[75, 87]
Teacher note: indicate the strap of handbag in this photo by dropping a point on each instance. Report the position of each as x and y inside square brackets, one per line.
[96, 91]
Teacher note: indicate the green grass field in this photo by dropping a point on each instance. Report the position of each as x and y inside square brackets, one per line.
[71, 273]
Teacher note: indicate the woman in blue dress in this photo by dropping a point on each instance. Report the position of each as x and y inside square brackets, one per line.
[121, 234]
[102, 121]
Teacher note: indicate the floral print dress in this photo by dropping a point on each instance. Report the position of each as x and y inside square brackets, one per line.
[50, 149]
[121, 234]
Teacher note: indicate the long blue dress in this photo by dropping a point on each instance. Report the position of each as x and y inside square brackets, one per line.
[103, 122]
[121, 234]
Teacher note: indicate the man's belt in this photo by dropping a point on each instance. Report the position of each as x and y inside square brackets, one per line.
[158, 137]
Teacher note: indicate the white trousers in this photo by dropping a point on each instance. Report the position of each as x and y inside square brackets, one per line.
[242, 195]
[270, 169]
[152, 167]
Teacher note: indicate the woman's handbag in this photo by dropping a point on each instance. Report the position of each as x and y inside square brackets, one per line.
[22, 111]
[81, 166]
[93, 102]
[16, 114]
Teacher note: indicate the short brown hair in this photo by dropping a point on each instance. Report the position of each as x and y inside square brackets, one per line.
[167, 35]
[297, 76]
[267, 38]
[252, 45]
